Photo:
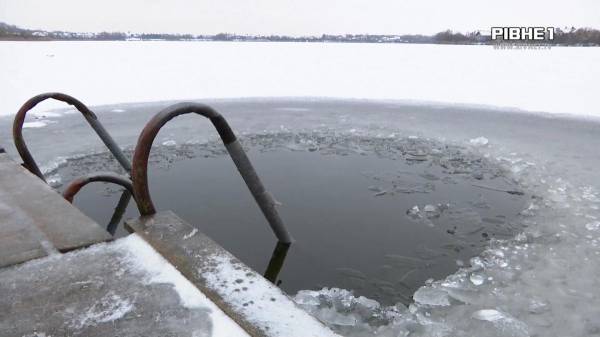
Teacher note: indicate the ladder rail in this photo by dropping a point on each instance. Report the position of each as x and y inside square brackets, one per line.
[108, 177]
[89, 116]
[139, 172]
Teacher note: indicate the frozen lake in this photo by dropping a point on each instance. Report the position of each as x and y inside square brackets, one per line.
[542, 281]
[560, 80]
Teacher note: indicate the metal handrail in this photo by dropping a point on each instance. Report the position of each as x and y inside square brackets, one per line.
[108, 177]
[139, 172]
[76, 185]
[91, 118]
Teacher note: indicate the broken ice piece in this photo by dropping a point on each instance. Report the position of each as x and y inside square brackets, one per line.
[414, 212]
[477, 279]
[431, 296]
[489, 315]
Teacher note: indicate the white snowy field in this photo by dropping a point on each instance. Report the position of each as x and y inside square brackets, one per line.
[559, 80]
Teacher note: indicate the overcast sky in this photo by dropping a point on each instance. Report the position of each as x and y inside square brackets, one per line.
[295, 17]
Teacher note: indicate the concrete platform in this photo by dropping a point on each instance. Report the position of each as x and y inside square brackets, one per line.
[121, 288]
[37, 221]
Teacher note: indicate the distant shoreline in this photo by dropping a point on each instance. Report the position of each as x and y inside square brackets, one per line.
[569, 37]
[533, 45]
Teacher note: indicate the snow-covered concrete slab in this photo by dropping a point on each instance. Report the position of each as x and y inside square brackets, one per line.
[122, 288]
[35, 220]
[254, 303]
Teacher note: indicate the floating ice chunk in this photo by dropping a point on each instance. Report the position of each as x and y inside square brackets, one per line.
[414, 210]
[479, 141]
[431, 296]
[375, 188]
[538, 306]
[117, 110]
[54, 181]
[429, 208]
[489, 315]
[593, 226]
[477, 279]
[307, 297]
[432, 211]
[337, 319]
[169, 143]
[36, 124]
[508, 325]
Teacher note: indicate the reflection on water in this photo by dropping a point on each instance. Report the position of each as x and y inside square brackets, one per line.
[119, 211]
[276, 262]
[379, 216]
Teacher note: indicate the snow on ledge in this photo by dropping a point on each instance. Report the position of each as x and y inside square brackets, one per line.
[144, 258]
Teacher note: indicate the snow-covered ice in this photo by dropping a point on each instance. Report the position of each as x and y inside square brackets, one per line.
[479, 141]
[563, 80]
[34, 125]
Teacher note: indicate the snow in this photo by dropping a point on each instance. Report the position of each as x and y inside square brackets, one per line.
[169, 143]
[110, 308]
[190, 234]
[479, 141]
[34, 125]
[559, 80]
[143, 257]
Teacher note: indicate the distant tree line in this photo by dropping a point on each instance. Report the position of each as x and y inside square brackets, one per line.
[572, 36]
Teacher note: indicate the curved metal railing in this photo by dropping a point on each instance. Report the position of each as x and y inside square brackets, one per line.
[91, 118]
[76, 185]
[139, 171]
[108, 177]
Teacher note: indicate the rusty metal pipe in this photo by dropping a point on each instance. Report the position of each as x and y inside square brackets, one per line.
[139, 172]
[91, 118]
[108, 177]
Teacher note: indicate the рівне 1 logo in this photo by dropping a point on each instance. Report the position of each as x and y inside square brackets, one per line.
[522, 33]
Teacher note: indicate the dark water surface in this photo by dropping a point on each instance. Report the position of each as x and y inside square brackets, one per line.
[378, 216]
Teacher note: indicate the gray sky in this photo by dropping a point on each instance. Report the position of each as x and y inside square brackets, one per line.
[299, 17]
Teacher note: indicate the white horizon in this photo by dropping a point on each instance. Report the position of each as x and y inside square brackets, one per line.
[286, 17]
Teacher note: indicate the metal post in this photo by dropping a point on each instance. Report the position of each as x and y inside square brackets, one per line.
[139, 172]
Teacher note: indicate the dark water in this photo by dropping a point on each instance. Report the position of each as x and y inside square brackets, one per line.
[348, 201]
